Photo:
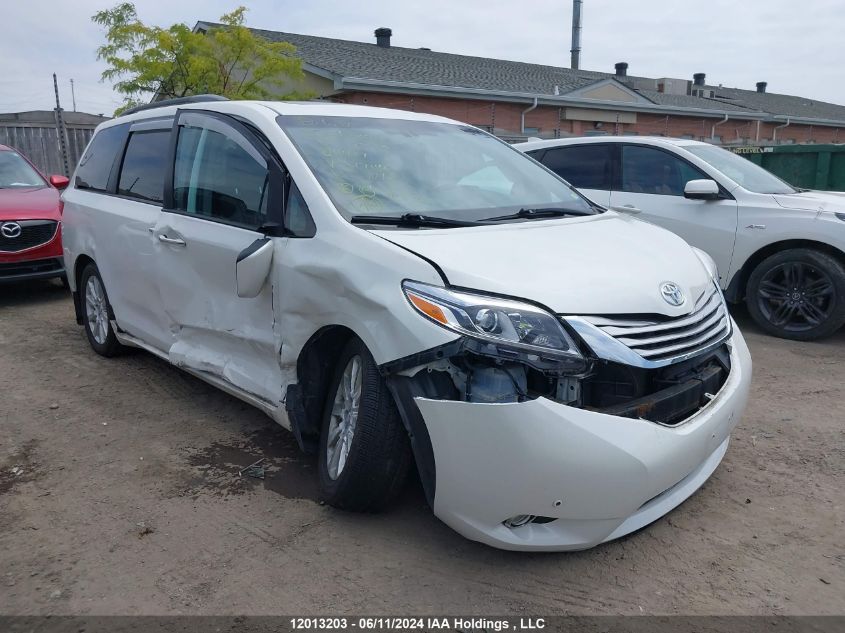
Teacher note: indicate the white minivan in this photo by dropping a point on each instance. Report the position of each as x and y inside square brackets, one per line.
[779, 248]
[400, 288]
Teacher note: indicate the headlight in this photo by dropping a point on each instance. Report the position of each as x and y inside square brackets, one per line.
[510, 325]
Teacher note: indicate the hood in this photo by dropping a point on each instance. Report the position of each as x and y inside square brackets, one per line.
[30, 203]
[812, 201]
[603, 264]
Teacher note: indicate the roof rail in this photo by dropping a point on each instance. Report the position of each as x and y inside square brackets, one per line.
[170, 102]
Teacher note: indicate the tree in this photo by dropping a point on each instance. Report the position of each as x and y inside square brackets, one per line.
[146, 62]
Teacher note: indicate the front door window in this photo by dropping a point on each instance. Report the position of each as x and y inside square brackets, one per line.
[653, 171]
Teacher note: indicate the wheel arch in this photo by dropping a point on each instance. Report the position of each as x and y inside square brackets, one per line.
[736, 289]
[304, 400]
[78, 266]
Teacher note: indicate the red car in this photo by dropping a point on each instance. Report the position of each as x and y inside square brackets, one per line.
[30, 220]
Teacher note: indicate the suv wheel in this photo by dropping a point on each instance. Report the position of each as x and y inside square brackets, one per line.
[798, 294]
[97, 313]
[364, 450]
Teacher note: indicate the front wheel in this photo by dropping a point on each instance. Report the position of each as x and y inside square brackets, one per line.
[364, 448]
[798, 294]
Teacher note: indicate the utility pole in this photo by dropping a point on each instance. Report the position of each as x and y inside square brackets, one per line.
[60, 128]
[73, 95]
[577, 8]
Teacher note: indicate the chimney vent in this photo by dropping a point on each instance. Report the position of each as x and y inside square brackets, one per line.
[383, 37]
[621, 69]
[698, 79]
[761, 86]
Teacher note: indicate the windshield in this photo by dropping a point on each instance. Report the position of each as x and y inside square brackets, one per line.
[391, 167]
[752, 177]
[16, 172]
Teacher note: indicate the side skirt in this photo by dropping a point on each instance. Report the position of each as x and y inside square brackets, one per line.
[277, 413]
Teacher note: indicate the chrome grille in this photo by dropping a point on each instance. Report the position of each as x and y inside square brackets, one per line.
[663, 339]
[32, 233]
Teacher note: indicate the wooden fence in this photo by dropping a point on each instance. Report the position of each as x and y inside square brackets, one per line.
[35, 135]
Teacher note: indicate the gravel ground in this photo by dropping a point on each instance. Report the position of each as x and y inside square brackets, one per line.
[119, 494]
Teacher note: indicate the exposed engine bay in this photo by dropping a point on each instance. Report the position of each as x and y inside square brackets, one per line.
[666, 395]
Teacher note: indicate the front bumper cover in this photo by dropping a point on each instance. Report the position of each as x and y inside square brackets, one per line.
[29, 270]
[598, 476]
[43, 261]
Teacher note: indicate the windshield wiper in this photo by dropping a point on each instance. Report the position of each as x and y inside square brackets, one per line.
[542, 212]
[411, 220]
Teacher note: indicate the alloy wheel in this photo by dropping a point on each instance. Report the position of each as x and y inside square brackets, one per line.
[96, 309]
[344, 417]
[796, 296]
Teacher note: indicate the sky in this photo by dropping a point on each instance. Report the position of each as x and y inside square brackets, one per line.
[794, 46]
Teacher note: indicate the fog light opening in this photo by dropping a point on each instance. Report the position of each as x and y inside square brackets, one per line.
[518, 521]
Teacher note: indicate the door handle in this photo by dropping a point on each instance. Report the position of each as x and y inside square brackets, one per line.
[175, 241]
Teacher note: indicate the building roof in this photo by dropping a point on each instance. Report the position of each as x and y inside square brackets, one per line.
[347, 58]
[48, 116]
[690, 101]
[781, 104]
[359, 65]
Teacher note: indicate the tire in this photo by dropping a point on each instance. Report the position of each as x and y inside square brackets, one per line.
[378, 454]
[798, 294]
[101, 336]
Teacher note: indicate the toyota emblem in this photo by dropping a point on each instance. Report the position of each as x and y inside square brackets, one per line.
[672, 293]
[10, 229]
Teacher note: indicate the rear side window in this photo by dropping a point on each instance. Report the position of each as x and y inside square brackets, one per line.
[582, 166]
[96, 165]
[650, 170]
[220, 177]
[142, 173]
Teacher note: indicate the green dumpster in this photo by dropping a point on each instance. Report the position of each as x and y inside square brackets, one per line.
[806, 166]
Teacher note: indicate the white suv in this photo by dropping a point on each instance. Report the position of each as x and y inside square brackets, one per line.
[393, 286]
[780, 248]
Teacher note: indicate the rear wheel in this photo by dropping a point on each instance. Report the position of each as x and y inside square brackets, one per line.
[798, 294]
[97, 313]
[364, 448]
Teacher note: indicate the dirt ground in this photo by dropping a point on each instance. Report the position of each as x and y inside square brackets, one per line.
[119, 494]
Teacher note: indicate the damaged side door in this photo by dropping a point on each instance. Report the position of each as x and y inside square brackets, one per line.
[221, 209]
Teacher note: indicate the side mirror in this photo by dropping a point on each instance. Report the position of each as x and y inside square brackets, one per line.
[252, 267]
[703, 189]
[59, 182]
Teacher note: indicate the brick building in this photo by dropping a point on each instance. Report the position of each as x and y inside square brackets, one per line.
[516, 100]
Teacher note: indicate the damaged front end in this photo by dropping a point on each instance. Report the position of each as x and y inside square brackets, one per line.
[511, 352]
[666, 395]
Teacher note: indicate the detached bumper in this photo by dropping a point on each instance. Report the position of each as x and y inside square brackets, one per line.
[597, 476]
